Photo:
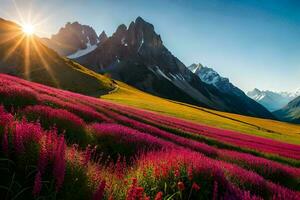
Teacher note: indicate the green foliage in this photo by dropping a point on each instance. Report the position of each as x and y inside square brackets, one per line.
[76, 184]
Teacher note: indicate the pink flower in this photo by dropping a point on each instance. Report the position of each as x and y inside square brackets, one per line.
[59, 162]
[159, 196]
[99, 194]
[87, 155]
[134, 192]
[111, 198]
[215, 194]
[139, 192]
[195, 187]
[190, 173]
[5, 118]
[42, 163]
[18, 138]
[37, 184]
[180, 186]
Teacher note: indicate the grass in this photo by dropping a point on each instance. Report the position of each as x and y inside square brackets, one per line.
[45, 66]
[272, 129]
[47, 165]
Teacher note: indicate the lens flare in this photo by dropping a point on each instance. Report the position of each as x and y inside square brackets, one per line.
[28, 29]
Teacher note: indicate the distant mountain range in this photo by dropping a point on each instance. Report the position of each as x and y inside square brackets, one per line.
[272, 100]
[211, 77]
[26, 57]
[137, 56]
[291, 112]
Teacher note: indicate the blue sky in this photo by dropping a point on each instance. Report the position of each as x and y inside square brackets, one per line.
[256, 43]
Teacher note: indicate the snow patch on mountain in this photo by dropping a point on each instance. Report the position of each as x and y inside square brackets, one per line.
[142, 42]
[82, 52]
[210, 76]
[206, 74]
[272, 100]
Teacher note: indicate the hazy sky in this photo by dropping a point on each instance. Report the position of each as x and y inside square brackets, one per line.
[256, 43]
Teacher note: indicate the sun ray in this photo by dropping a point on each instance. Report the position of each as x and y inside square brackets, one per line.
[13, 48]
[22, 21]
[34, 52]
[27, 58]
[7, 37]
[38, 51]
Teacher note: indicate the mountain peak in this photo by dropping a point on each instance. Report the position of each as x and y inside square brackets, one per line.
[271, 100]
[140, 36]
[195, 67]
[256, 90]
[121, 31]
[211, 77]
[121, 27]
[76, 23]
[102, 37]
[140, 20]
[72, 38]
[206, 74]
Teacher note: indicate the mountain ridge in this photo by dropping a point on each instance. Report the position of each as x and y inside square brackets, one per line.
[136, 55]
[272, 100]
[71, 38]
[291, 112]
[211, 77]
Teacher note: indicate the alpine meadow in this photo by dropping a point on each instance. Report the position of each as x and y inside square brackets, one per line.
[114, 100]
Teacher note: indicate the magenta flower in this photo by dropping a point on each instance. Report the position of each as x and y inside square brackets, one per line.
[59, 162]
[99, 194]
[87, 155]
[180, 186]
[43, 158]
[37, 184]
[195, 187]
[159, 196]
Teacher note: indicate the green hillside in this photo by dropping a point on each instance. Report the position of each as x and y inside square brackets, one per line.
[280, 131]
[26, 57]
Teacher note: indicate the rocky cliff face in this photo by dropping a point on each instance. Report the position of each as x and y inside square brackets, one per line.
[72, 38]
[210, 76]
[102, 37]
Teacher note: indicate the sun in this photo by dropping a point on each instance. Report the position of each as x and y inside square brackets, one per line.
[28, 29]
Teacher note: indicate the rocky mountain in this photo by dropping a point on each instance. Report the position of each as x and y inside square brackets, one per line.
[210, 76]
[136, 55]
[102, 37]
[74, 40]
[26, 57]
[291, 112]
[272, 100]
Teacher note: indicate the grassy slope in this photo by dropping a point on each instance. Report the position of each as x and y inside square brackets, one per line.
[266, 128]
[28, 58]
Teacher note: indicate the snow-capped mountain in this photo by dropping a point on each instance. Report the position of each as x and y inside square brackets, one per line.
[272, 100]
[210, 76]
[293, 94]
[74, 40]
